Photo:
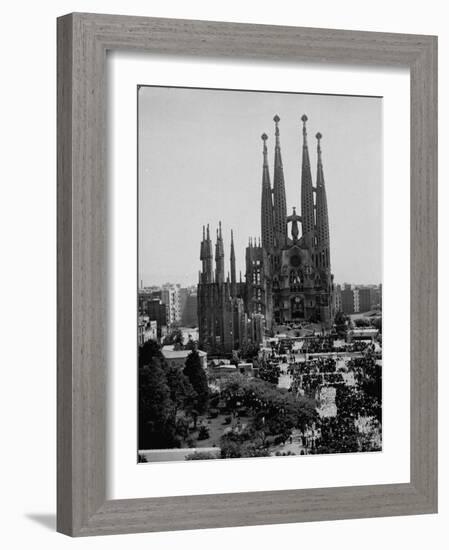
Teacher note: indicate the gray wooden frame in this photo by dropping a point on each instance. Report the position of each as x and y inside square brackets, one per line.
[83, 40]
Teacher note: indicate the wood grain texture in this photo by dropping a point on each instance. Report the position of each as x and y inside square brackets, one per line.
[64, 277]
[83, 40]
[423, 273]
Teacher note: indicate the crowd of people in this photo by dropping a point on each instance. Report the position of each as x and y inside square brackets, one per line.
[353, 369]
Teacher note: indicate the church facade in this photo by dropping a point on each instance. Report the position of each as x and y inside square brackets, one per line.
[288, 275]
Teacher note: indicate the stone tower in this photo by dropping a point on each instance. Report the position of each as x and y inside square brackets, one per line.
[288, 275]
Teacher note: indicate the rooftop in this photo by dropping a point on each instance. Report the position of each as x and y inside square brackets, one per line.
[169, 353]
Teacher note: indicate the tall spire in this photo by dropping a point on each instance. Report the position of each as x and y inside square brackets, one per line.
[233, 277]
[267, 218]
[280, 203]
[206, 257]
[203, 249]
[219, 257]
[307, 214]
[322, 219]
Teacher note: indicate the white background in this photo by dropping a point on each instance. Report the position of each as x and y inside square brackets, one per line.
[27, 217]
[130, 480]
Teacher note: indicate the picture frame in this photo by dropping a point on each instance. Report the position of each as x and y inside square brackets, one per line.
[83, 41]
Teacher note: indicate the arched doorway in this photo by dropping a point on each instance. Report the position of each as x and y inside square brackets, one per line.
[297, 307]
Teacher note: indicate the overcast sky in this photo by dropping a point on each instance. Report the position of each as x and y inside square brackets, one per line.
[200, 161]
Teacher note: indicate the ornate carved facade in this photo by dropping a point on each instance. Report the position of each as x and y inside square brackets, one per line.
[288, 277]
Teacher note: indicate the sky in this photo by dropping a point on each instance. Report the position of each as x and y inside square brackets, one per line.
[200, 161]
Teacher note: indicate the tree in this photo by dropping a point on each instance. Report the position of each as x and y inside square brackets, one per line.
[341, 324]
[182, 393]
[197, 377]
[203, 433]
[148, 351]
[244, 450]
[377, 323]
[193, 414]
[182, 427]
[302, 411]
[249, 351]
[247, 443]
[274, 411]
[174, 338]
[191, 344]
[157, 428]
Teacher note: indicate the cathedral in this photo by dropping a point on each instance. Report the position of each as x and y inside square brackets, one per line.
[288, 277]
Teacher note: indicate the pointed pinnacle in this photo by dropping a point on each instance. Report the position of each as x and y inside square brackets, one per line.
[276, 129]
[318, 137]
[265, 152]
[304, 129]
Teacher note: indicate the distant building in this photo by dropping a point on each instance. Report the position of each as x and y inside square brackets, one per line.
[183, 293]
[376, 297]
[347, 300]
[257, 328]
[151, 330]
[338, 304]
[140, 332]
[359, 298]
[177, 358]
[156, 311]
[189, 316]
[170, 296]
[365, 299]
[147, 329]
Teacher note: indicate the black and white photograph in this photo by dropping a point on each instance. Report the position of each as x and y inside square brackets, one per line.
[259, 291]
[223, 222]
